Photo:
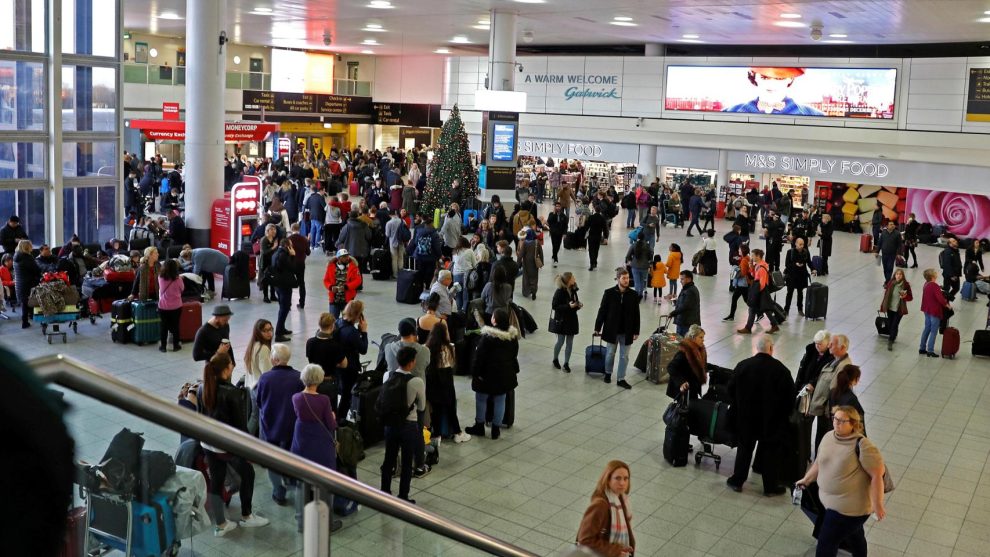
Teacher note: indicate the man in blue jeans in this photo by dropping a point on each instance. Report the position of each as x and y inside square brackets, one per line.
[401, 424]
[618, 325]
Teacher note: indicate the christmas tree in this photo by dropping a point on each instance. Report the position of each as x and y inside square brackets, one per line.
[451, 161]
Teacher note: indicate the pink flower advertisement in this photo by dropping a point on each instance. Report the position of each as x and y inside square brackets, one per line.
[965, 215]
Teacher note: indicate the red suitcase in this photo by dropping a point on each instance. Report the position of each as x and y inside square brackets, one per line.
[119, 276]
[354, 191]
[190, 321]
[866, 243]
[950, 342]
[100, 306]
[75, 533]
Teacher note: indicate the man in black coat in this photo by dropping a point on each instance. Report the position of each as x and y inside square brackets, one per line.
[618, 325]
[761, 392]
[951, 264]
[557, 223]
[596, 229]
[12, 233]
[687, 308]
[773, 230]
[890, 245]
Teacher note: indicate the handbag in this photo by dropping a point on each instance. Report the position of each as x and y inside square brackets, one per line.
[556, 324]
[888, 482]
[676, 411]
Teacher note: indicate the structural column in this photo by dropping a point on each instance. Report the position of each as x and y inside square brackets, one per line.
[723, 168]
[502, 51]
[205, 72]
[646, 167]
[55, 206]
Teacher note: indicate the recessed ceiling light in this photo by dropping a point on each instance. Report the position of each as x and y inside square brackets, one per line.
[153, 52]
[837, 41]
[623, 23]
[369, 42]
[237, 60]
[367, 52]
[622, 18]
[482, 27]
[838, 35]
[373, 26]
[791, 16]
[531, 1]
[460, 39]
[442, 51]
[789, 24]
[689, 41]
[263, 10]
[169, 15]
[484, 21]
[984, 20]
[378, 29]
[380, 4]
[986, 12]
[691, 37]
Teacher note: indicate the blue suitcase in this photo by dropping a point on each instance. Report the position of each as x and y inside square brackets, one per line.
[816, 264]
[146, 322]
[969, 291]
[594, 357]
[152, 524]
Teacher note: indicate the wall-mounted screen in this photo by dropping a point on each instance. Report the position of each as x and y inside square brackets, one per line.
[295, 71]
[503, 142]
[792, 91]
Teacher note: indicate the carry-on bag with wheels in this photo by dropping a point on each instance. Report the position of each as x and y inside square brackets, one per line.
[882, 324]
[152, 525]
[968, 291]
[981, 343]
[121, 321]
[866, 243]
[676, 438]
[816, 301]
[381, 264]
[146, 322]
[594, 356]
[190, 320]
[407, 288]
[236, 286]
[950, 342]
[369, 424]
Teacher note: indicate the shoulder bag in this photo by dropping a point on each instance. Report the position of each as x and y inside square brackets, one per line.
[888, 482]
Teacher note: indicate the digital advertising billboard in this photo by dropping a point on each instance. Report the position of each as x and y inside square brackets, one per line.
[791, 91]
[503, 142]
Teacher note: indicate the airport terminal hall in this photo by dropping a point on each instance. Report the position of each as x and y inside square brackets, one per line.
[563, 278]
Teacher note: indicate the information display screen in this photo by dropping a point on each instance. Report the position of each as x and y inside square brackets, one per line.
[792, 91]
[503, 142]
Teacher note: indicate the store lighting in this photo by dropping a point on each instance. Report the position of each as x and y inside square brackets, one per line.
[789, 24]
[378, 29]
[380, 5]
[481, 27]
[442, 51]
[838, 36]
[837, 41]
[791, 16]
[623, 23]
[328, 125]
[690, 37]
[460, 39]
[622, 18]
[696, 41]
[984, 20]
[367, 52]
[263, 10]
[531, 1]
[370, 42]
[169, 15]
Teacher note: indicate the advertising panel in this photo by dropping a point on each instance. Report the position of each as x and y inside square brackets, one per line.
[793, 91]
[503, 142]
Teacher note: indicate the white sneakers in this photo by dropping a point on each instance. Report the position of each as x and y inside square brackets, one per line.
[253, 521]
[461, 437]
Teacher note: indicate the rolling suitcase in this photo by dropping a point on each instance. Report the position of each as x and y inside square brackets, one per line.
[866, 243]
[146, 322]
[353, 188]
[235, 286]
[816, 301]
[75, 533]
[381, 264]
[407, 288]
[152, 525]
[369, 423]
[121, 321]
[190, 320]
[882, 324]
[676, 438]
[816, 264]
[464, 349]
[969, 291]
[981, 343]
[509, 417]
[594, 356]
[950, 342]
[661, 348]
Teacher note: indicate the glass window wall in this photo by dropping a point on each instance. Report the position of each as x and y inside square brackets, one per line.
[97, 158]
[89, 212]
[89, 27]
[29, 205]
[22, 95]
[22, 25]
[89, 99]
[22, 161]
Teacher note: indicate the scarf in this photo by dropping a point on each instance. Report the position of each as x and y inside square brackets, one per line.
[697, 357]
[619, 529]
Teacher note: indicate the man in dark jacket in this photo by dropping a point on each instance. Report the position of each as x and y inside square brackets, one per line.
[761, 393]
[890, 245]
[506, 261]
[875, 224]
[278, 418]
[12, 233]
[177, 229]
[557, 223]
[316, 204]
[951, 264]
[355, 237]
[687, 308]
[596, 229]
[618, 324]
[695, 206]
[425, 248]
[773, 230]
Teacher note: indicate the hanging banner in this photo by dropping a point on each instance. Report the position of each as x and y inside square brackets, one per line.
[168, 130]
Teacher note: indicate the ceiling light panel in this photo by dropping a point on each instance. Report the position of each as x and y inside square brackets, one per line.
[790, 16]
[785, 23]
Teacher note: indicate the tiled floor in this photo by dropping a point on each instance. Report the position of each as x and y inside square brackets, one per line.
[931, 418]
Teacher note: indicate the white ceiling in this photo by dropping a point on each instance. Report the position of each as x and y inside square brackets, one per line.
[421, 26]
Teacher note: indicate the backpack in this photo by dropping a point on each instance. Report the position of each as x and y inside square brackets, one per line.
[942, 259]
[163, 189]
[634, 234]
[351, 446]
[391, 404]
[403, 235]
[424, 246]
[777, 281]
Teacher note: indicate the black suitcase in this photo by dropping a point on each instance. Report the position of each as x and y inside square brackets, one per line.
[236, 286]
[816, 301]
[676, 440]
[407, 288]
[509, 417]
[882, 324]
[381, 264]
[981, 343]
[369, 424]
[709, 421]
[121, 321]
[464, 350]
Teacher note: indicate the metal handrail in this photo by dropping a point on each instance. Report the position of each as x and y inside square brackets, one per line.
[90, 381]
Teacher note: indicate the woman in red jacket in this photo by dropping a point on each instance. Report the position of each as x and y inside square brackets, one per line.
[933, 304]
[896, 294]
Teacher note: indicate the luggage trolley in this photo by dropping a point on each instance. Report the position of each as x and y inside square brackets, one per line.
[708, 417]
[117, 522]
[51, 325]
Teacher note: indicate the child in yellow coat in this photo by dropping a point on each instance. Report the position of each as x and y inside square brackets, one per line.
[674, 260]
[658, 277]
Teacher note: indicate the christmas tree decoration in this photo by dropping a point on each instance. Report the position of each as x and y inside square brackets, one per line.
[451, 161]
